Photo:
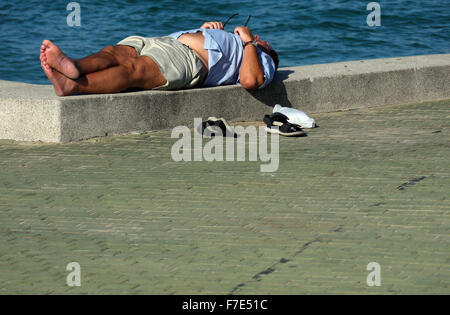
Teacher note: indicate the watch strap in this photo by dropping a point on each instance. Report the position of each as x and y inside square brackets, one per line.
[250, 42]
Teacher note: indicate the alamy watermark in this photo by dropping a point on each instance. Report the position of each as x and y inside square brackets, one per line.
[74, 277]
[220, 148]
[374, 277]
[74, 17]
[374, 18]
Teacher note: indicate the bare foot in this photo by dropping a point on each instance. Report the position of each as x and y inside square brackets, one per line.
[62, 85]
[55, 58]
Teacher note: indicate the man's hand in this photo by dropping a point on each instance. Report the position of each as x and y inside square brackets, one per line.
[213, 25]
[244, 33]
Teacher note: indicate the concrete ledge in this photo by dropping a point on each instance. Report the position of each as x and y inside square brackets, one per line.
[33, 113]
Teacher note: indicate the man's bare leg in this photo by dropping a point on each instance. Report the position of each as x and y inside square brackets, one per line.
[139, 72]
[109, 56]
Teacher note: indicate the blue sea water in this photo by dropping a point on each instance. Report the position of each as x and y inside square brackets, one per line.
[303, 32]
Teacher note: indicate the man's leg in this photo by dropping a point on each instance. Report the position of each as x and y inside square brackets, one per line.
[139, 72]
[109, 56]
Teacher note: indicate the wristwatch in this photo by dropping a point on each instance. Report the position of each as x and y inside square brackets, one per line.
[251, 42]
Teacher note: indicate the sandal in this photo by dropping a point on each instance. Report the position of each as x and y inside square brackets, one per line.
[212, 126]
[285, 128]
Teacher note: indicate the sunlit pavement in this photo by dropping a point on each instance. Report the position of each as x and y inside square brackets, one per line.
[369, 185]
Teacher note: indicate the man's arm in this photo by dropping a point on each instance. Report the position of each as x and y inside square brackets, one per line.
[252, 75]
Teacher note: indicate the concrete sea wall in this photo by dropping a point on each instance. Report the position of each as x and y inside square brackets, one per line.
[34, 113]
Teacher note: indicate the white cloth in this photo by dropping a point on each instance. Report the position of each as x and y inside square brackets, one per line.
[295, 116]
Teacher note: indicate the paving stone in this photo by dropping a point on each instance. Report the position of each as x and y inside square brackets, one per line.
[368, 185]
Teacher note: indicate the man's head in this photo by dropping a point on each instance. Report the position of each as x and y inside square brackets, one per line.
[265, 46]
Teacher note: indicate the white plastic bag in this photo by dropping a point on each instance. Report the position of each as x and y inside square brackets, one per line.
[295, 116]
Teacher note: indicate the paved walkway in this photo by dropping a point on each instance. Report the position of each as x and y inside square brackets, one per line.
[367, 186]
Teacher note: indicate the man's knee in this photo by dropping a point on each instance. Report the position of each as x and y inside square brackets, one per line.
[144, 72]
[131, 65]
[120, 53]
[109, 49]
[109, 52]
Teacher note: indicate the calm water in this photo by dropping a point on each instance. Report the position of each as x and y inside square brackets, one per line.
[303, 32]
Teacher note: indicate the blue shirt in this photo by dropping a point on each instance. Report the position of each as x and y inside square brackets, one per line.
[225, 54]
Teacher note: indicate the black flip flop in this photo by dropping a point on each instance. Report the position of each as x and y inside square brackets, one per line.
[285, 128]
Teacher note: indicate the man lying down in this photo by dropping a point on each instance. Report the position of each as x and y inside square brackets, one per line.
[208, 56]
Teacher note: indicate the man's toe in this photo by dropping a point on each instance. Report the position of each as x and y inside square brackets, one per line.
[47, 43]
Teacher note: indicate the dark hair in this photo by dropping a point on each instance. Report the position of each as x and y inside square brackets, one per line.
[274, 56]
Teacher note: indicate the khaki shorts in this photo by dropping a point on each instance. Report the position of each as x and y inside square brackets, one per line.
[179, 64]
